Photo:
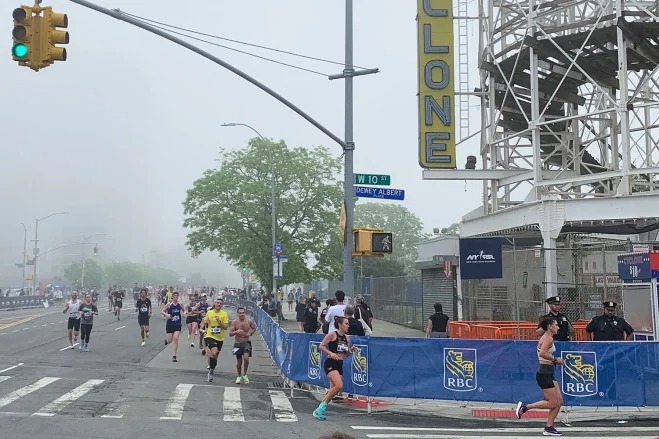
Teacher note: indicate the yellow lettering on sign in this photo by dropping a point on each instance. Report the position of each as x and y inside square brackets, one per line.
[436, 84]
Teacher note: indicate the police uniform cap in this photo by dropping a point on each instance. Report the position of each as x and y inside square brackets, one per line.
[610, 304]
[554, 300]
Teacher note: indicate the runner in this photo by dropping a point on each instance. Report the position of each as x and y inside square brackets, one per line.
[73, 324]
[191, 319]
[143, 307]
[215, 323]
[118, 302]
[172, 312]
[87, 311]
[242, 328]
[545, 378]
[203, 308]
[336, 345]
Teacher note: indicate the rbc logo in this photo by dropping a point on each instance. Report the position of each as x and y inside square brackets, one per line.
[460, 369]
[579, 373]
[359, 365]
[313, 370]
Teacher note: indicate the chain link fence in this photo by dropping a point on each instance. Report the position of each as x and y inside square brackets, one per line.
[587, 276]
[394, 299]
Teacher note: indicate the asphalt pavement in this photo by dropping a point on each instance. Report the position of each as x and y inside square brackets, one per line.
[120, 389]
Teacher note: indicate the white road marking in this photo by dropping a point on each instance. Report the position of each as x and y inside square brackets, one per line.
[15, 330]
[232, 407]
[17, 394]
[508, 430]
[26, 329]
[4, 378]
[45, 324]
[11, 368]
[56, 406]
[3, 333]
[53, 323]
[283, 409]
[176, 403]
[69, 347]
[120, 327]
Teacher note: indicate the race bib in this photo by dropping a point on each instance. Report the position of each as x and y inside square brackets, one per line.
[144, 309]
[73, 315]
[216, 330]
[88, 314]
[175, 318]
[342, 347]
[203, 313]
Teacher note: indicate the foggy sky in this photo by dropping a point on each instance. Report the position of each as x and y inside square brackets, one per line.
[117, 133]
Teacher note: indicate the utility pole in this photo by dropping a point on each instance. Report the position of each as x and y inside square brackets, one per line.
[24, 254]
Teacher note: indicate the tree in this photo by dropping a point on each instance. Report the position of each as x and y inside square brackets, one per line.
[405, 225]
[379, 267]
[453, 229]
[94, 274]
[228, 209]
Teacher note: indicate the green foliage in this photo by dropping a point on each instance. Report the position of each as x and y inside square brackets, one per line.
[453, 229]
[228, 209]
[379, 267]
[405, 225]
[94, 274]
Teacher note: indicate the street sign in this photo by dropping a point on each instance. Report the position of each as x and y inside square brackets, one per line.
[278, 248]
[448, 269]
[382, 193]
[283, 258]
[373, 179]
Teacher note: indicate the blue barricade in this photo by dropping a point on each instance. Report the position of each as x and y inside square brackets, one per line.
[594, 374]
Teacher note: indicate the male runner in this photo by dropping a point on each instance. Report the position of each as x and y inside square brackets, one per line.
[144, 309]
[73, 324]
[242, 328]
[118, 296]
[215, 323]
[203, 309]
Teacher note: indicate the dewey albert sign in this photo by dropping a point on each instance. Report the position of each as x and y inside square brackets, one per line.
[374, 192]
[436, 84]
[480, 258]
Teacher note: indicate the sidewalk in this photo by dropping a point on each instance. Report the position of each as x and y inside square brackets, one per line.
[464, 409]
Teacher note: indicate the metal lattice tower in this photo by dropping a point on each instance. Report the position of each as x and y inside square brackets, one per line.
[463, 68]
[566, 111]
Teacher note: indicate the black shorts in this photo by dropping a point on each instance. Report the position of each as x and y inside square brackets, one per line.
[143, 319]
[329, 365]
[190, 319]
[239, 349]
[73, 323]
[170, 329]
[119, 303]
[212, 343]
[545, 376]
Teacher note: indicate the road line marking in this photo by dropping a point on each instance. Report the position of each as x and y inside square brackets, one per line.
[232, 407]
[15, 330]
[11, 368]
[26, 329]
[112, 416]
[53, 323]
[56, 406]
[120, 327]
[69, 347]
[3, 333]
[18, 322]
[45, 324]
[4, 378]
[283, 409]
[17, 394]
[176, 403]
[507, 430]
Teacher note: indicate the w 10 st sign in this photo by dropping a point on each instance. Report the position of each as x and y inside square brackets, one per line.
[481, 258]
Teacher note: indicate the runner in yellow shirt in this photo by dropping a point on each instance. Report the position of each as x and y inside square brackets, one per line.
[215, 324]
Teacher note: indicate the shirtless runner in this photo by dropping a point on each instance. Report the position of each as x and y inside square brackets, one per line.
[242, 328]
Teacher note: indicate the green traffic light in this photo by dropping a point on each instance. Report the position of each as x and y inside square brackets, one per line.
[19, 50]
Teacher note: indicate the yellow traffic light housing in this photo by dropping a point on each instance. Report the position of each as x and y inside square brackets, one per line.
[22, 48]
[51, 34]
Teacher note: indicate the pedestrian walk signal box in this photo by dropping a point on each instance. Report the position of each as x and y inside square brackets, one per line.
[372, 242]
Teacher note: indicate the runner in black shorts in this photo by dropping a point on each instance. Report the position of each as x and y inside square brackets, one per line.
[242, 329]
[143, 307]
[173, 312]
[73, 324]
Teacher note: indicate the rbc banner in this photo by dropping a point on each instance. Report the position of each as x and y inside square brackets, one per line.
[481, 258]
[594, 373]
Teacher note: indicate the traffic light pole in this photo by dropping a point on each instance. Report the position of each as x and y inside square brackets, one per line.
[348, 145]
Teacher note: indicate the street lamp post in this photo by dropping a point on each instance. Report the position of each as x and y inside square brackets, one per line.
[24, 254]
[272, 205]
[36, 248]
[82, 260]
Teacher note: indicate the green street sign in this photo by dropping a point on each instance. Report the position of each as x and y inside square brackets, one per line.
[373, 179]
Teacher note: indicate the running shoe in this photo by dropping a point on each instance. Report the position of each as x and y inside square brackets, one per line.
[143, 343]
[246, 379]
[82, 346]
[174, 360]
[86, 349]
[551, 431]
[319, 415]
[521, 409]
[192, 344]
[210, 376]
[239, 380]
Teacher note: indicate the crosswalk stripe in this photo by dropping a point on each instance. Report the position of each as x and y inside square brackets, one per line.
[56, 406]
[176, 403]
[17, 394]
[283, 409]
[232, 407]
[4, 378]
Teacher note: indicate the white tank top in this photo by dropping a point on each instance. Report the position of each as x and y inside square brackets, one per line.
[551, 350]
[73, 309]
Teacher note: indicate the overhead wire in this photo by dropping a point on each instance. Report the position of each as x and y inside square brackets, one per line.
[165, 26]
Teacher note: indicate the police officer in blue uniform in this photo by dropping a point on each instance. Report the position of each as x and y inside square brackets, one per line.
[565, 329]
[608, 326]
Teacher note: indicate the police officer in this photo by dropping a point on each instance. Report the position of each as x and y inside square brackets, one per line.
[565, 329]
[609, 327]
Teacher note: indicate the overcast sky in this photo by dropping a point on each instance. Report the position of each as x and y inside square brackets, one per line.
[117, 133]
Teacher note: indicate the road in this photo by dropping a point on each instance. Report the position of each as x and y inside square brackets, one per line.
[120, 389]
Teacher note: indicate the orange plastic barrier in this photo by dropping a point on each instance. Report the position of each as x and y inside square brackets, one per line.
[505, 330]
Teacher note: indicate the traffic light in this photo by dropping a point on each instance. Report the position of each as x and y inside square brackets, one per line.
[22, 48]
[51, 35]
[372, 242]
[95, 250]
[382, 242]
